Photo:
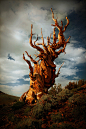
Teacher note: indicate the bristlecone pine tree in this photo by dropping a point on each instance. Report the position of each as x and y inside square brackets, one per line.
[43, 74]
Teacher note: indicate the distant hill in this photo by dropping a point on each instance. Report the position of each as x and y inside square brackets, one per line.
[7, 99]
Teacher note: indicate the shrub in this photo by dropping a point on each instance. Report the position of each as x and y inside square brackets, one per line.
[1, 105]
[15, 100]
[47, 106]
[53, 126]
[73, 98]
[78, 99]
[27, 110]
[80, 82]
[13, 118]
[56, 117]
[29, 124]
[38, 111]
[79, 112]
[18, 105]
[65, 126]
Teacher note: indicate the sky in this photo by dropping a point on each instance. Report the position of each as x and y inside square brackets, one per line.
[16, 17]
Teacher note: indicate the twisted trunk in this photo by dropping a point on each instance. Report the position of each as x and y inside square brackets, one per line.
[43, 74]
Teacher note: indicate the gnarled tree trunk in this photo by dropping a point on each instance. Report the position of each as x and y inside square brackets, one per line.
[43, 74]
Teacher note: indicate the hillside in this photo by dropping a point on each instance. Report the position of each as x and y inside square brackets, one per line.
[64, 110]
[7, 99]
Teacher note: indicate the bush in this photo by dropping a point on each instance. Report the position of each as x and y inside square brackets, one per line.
[53, 126]
[15, 100]
[80, 83]
[73, 98]
[65, 126]
[38, 111]
[79, 112]
[56, 117]
[78, 99]
[79, 106]
[18, 105]
[29, 124]
[1, 105]
[47, 106]
[13, 118]
[27, 110]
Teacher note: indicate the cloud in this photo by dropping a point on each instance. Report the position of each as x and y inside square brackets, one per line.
[14, 90]
[10, 57]
[63, 81]
[73, 58]
[11, 70]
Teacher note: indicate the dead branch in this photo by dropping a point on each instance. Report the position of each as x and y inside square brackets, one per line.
[34, 46]
[66, 24]
[30, 66]
[35, 62]
[58, 71]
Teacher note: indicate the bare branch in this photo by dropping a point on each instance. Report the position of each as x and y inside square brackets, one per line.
[62, 24]
[60, 51]
[55, 20]
[28, 62]
[34, 46]
[66, 24]
[35, 62]
[36, 40]
[68, 40]
[58, 71]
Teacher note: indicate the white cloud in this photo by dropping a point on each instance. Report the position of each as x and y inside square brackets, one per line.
[12, 70]
[63, 81]
[14, 90]
[73, 54]
[71, 59]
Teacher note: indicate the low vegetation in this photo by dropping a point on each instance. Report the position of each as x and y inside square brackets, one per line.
[6, 99]
[60, 109]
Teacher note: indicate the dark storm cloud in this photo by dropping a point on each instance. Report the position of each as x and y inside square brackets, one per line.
[77, 27]
[26, 76]
[10, 57]
[20, 81]
[34, 37]
[82, 71]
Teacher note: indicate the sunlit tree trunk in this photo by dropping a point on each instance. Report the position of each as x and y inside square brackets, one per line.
[43, 74]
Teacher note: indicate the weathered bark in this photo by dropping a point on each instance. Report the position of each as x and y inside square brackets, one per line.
[43, 74]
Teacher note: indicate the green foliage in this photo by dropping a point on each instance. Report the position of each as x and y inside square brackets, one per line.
[77, 99]
[29, 124]
[59, 87]
[27, 110]
[53, 126]
[65, 126]
[79, 109]
[81, 83]
[49, 102]
[38, 111]
[80, 88]
[74, 85]
[18, 105]
[65, 93]
[79, 112]
[55, 89]
[7, 99]
[61, 110]
[56, 117]
[13, 118]
[47, 106]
